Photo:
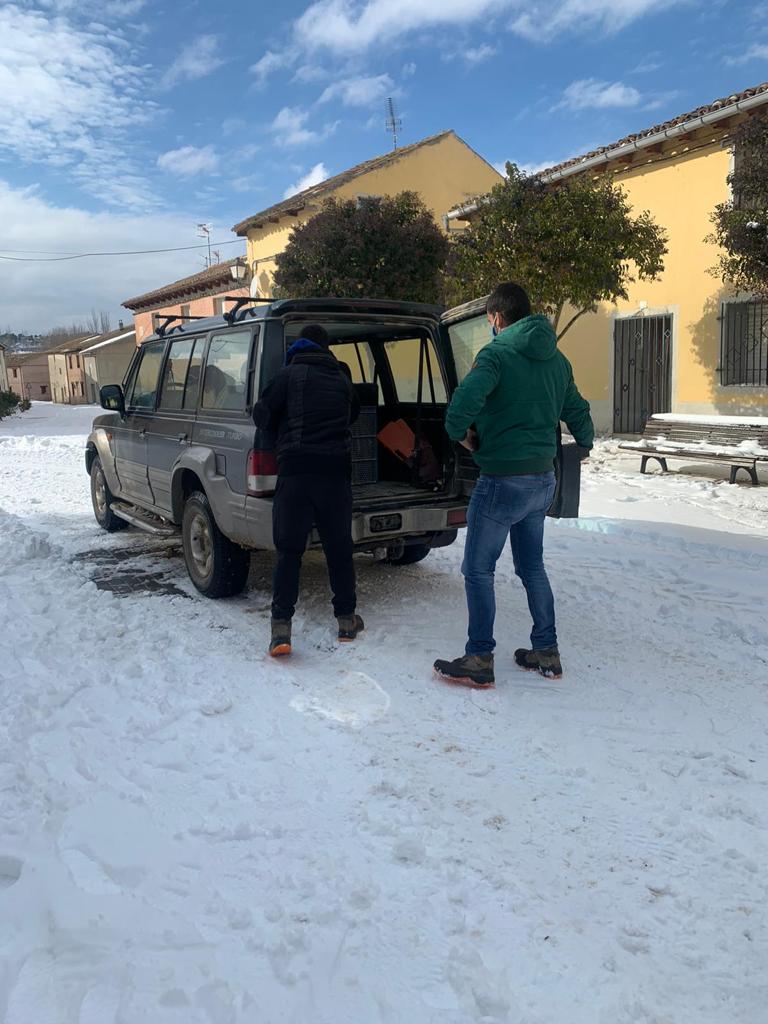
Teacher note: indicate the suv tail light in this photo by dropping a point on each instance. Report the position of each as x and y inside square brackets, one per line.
[262, 474]
[457, 517]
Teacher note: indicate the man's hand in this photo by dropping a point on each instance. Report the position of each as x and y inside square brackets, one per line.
[470, 441]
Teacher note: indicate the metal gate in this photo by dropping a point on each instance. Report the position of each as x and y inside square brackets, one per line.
[642, 374]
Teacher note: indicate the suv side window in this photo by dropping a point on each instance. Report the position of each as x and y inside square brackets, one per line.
[179, 388]
[146, 379]
[192, 386]
[226, 371]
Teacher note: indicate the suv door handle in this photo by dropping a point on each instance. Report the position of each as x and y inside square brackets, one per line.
[183, 437]
[142, 432]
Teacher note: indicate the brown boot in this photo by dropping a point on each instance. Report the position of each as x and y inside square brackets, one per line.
[280, 644]
[471, 670]
[546, 662]
[349, 627]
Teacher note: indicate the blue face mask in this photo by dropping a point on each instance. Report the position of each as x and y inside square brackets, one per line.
[494, 330]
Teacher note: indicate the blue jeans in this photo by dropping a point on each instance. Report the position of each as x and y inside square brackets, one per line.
[514, 507]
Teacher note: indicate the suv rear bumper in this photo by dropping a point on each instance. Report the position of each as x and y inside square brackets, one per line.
[434, 523]
[376, 528]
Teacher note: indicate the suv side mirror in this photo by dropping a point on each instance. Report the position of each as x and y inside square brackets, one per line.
[112, 399]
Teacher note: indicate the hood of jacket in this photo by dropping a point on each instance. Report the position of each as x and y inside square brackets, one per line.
[532, 337]
[302, 345]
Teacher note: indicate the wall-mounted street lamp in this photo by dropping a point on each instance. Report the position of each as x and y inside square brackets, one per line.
[239, 270]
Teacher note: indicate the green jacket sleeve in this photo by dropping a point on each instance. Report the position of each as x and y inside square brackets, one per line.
[469, 398]
[576, 416]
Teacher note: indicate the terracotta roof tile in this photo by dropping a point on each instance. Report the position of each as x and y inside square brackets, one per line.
[656, 129]
[217, 274]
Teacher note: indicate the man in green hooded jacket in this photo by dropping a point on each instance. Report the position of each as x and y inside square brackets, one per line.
[506, 412]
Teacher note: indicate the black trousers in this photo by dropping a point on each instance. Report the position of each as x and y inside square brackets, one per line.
[301, 502]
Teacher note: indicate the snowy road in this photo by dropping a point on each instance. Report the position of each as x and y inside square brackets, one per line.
[190, 834]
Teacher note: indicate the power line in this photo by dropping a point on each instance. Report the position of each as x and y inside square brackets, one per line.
[85, 255]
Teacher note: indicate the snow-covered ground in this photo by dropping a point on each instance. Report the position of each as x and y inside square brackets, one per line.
[191, 834]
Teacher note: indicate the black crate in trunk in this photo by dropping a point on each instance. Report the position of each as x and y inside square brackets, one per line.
[365, 461]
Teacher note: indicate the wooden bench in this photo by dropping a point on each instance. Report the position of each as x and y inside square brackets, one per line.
[739, 442]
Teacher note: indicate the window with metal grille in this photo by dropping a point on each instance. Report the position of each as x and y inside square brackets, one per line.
[744, 344]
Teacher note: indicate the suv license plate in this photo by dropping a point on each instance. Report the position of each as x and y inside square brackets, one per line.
[386, 524]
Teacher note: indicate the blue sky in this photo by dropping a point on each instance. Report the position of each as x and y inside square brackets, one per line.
[123, 124]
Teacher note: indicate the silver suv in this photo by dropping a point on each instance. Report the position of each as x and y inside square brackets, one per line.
[178, 448]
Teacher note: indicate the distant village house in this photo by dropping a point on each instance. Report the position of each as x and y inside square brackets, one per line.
[200, 295]
[29, 376]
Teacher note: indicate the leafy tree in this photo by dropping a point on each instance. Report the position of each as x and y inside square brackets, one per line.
[570, 244]
[9, 403]
[388, 247]
[741, 225]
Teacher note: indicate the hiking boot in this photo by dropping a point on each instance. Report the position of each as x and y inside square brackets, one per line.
[280, 644]
[546, 662]
[349, 627]
[471, 670]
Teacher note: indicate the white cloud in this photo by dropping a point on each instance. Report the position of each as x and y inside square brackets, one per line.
[345, 27]
[36, 296]
[478, 54]
[69, 96]
[536, 167]
[758, 51]
[318, 173]
[289, 128]
[472, 55]
[408, 70]
[339, 26]
[307, 74]
[591, 94]
[359, 92]
[551, 18]
[269, 64]
[195, 60]
[189, 160]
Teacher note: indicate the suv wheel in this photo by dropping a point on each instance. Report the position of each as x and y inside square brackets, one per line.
[217, 566]
[411, 554]
[101, 496]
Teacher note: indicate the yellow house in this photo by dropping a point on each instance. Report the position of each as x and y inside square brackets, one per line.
[685, 343]
[443, 169]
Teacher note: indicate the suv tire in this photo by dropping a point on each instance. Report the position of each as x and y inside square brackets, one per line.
[216, 565]
[102, 499]
[412, 553]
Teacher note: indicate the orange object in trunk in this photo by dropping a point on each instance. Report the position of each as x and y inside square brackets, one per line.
[398, 438]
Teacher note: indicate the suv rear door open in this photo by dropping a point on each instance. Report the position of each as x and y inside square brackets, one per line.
[465, 330]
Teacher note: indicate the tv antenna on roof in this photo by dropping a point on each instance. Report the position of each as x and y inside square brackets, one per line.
[204, 231]
[393, 123]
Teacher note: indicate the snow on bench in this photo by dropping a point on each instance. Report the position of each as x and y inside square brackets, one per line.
[737, 441]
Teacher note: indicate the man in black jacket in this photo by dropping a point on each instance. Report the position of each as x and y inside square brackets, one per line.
[310, 405]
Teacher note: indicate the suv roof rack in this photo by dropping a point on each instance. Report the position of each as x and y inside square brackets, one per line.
[167, 320]
[238, 311]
